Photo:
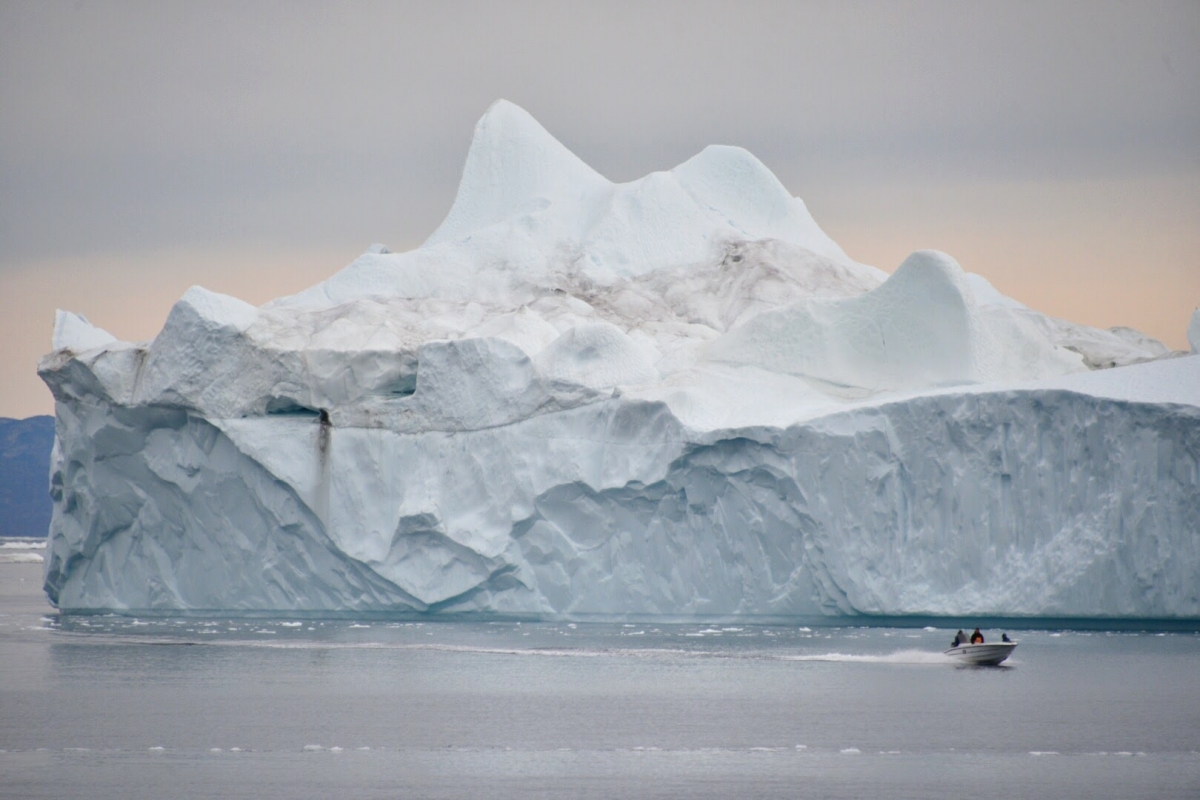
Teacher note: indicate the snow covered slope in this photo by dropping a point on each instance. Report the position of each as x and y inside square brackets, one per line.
[673, 396]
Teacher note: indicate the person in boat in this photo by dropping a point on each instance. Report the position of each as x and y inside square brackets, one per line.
[960, 638]
[1004, 637]
[977, 637]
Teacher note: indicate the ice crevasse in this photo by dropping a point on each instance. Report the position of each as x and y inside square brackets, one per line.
[675, 396]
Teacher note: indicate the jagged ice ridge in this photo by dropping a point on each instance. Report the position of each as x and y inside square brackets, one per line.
[675, 396]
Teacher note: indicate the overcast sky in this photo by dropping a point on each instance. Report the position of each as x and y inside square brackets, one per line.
[257, 147]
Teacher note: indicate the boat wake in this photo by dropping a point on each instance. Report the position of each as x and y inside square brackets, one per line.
[898, 657]
[909, 657]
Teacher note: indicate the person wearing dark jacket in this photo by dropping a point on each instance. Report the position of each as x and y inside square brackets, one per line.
[977, 637]
[960, 638]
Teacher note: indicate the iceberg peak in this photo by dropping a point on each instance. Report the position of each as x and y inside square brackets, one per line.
[731, 183]
[74, 332]
[513, 165]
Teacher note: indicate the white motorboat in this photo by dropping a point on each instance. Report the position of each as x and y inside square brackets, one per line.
[982, 655]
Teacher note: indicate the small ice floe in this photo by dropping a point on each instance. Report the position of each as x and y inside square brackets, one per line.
[801, 747]
[929, 628]
[364, 749]
[335, 749]
[156, 749]
[20, 557]
[1043, 752]
[291, 624]
[850, 751]
[313, 748]
[356, 625]
[235, 749]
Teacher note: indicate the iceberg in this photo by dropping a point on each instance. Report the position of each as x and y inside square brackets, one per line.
[670, 397]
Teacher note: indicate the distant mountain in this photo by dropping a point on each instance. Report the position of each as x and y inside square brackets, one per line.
[25, 446]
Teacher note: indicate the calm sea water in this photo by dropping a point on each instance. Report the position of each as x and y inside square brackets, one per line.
[109, 707]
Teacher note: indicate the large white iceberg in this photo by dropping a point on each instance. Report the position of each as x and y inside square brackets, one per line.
[675, 396]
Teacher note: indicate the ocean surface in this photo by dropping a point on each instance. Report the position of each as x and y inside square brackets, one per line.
[114, 707]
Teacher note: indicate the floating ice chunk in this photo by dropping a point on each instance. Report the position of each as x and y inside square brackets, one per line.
[21, 558]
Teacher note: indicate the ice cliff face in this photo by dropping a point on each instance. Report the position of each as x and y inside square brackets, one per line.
[675, 396]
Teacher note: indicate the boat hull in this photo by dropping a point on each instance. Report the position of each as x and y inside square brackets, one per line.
[982, 655]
